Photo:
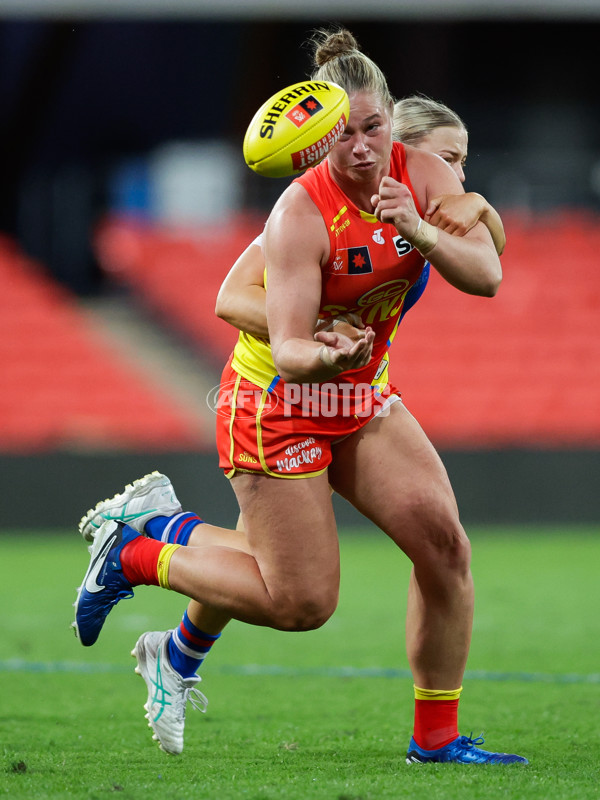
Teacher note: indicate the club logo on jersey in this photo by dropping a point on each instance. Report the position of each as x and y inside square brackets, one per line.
[304, 110]
[377, 237]
[384, 301]
[402, 246]
[352, 261]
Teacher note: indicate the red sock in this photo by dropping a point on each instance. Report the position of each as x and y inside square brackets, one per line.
[436, 723]
[139, 560]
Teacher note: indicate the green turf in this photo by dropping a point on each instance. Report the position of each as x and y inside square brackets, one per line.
[323, 715]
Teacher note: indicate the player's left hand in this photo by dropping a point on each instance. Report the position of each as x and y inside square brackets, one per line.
[343, 353]
[348, 324]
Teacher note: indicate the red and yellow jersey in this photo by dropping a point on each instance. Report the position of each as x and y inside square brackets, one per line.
[369, 271]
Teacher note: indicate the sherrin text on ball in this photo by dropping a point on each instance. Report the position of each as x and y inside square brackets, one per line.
[296, 128]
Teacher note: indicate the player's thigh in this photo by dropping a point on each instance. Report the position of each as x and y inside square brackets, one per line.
[292, 534]
[391, 473]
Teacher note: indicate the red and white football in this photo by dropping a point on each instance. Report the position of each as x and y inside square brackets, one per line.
[296, 128]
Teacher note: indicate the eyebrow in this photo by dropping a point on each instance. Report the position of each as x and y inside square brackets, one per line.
[366, 120]
[373, 116]
[454, 152]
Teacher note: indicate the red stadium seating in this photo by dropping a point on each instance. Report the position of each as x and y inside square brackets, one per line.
[64, 387]
[178, 273]
[521, 369]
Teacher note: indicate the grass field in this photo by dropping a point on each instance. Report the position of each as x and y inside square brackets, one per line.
[323, 715]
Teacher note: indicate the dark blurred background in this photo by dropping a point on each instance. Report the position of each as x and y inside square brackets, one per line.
[79, 98]
[138, 120]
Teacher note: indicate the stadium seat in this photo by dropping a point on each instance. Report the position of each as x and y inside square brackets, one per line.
[64, 387]
[178, 273]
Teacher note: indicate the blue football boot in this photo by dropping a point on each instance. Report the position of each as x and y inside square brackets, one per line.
[463, 750]
[104, 583]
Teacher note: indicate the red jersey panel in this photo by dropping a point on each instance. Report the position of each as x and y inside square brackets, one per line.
[370, 267]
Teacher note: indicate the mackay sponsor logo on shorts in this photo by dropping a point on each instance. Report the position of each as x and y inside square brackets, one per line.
[297, 455]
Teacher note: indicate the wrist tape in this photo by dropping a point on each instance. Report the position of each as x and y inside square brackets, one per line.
[425, 237]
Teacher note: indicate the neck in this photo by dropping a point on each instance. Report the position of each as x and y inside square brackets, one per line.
[360, 193]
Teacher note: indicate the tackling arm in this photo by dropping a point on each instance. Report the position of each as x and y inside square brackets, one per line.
[241, 299]
[469, 262]
[458, 213]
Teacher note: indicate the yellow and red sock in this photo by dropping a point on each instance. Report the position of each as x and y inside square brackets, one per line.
[436, 717]
[146, 561]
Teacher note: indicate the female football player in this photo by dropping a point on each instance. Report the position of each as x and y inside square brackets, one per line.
[347, 237]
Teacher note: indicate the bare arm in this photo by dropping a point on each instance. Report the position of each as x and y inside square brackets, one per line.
[457, 214]
[241, 300]
[469, 262]
[296, 244]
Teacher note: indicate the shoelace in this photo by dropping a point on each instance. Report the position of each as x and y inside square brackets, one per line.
[124, 594]
[470, 742]
[196, 699]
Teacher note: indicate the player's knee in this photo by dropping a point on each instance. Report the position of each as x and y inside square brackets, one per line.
[456, 548]
[307, 613]
[450, 550]
[442, 539]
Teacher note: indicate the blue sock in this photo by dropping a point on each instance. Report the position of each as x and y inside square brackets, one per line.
[188, 647]
[173, 530]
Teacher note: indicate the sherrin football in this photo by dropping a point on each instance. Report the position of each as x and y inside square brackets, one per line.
[296, 128]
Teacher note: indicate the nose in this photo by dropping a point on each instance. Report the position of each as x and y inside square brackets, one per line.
[360, 145]
[458, 168]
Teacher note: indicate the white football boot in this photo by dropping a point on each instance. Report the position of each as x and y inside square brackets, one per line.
[168, 692]
[148, 497]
